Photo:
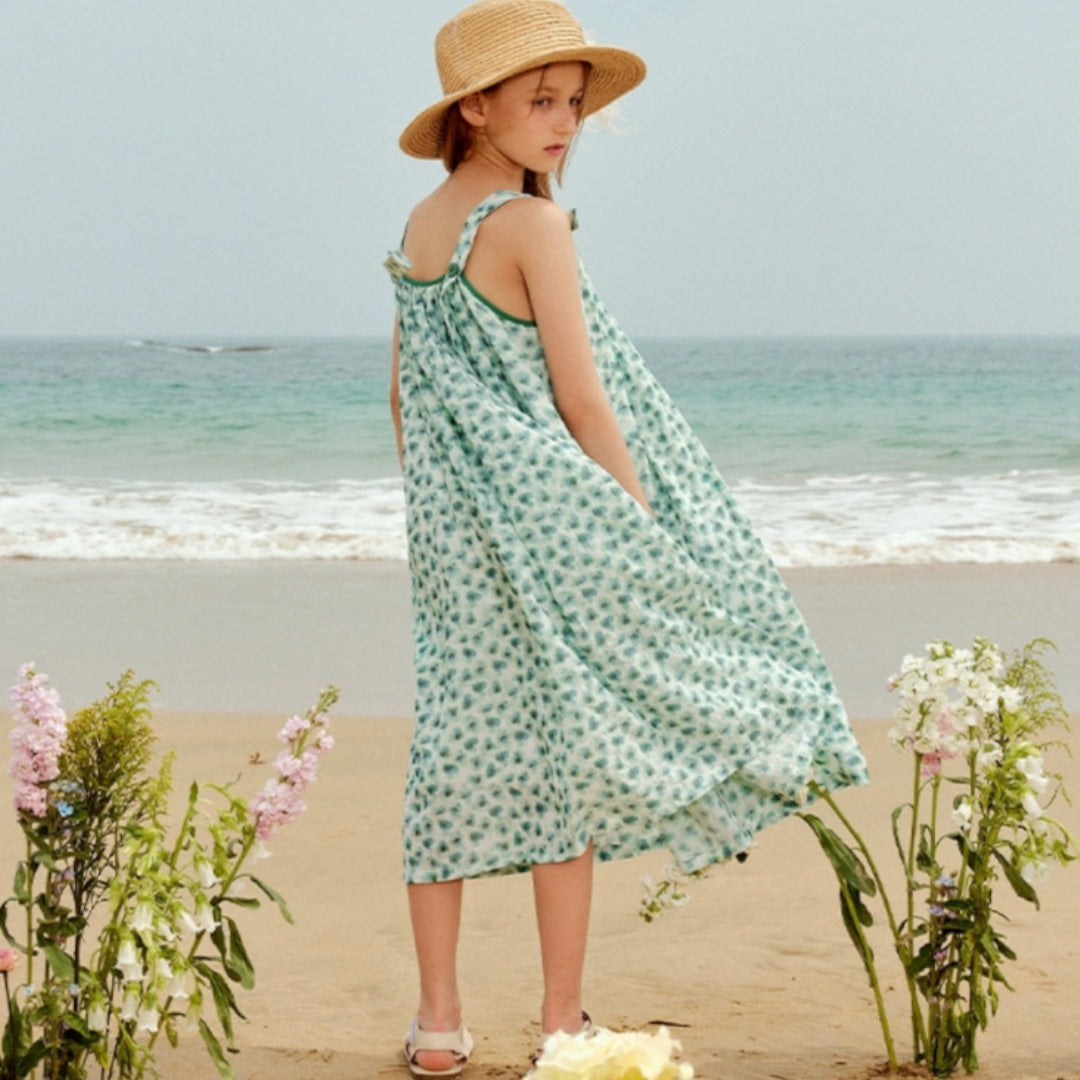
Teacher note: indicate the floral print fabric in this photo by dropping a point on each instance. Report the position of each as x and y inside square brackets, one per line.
[585, 671]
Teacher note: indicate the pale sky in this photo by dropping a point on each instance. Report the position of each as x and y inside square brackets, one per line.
[212, 168]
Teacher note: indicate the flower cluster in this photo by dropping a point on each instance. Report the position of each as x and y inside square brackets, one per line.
[669, 894]
[963, 704]
[36, 741]
[165, 950]
[281, 800]
[945, 698]
[975, 724]
[609, 1055]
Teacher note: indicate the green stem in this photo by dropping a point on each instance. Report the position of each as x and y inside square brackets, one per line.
[919, 1026]
[933, 931]
[902, 951]
[875, 984]
[185, 825]
[29, 914]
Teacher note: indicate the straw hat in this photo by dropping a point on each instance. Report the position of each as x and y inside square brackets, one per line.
[494, 39]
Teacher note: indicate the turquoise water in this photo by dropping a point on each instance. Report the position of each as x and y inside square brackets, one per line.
[844, 451]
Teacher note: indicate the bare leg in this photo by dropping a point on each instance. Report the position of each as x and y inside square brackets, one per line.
[563, 894]
[435, 910]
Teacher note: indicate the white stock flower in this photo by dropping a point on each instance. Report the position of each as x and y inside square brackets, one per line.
[961, 815]
[1032, 768]
[1031, 805]
[1011, 698]
[1035, 872]
[130, 1009]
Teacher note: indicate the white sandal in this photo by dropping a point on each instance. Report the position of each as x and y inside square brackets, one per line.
[587, 1028]
[459, 1043]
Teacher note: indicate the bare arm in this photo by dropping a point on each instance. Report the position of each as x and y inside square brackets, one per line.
[395, 393]
[548, 264]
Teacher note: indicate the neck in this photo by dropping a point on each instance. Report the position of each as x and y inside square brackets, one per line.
[487, 165]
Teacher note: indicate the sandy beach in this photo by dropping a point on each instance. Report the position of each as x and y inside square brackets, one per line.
[755, 976]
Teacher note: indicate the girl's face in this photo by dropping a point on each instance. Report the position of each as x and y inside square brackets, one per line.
[532, 118]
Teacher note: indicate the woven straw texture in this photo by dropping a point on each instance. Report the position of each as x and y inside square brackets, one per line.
[495, 39]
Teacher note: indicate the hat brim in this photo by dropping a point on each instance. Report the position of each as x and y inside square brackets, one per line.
[612, 73]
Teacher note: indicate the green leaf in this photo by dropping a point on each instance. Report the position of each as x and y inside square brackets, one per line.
[851, 924]
[224, 999]
[896, 831]
[238, 957]
[48, 860]
[845, 861]
[60, 962]
[4, 927]
[1019, 885]
[1004, 949]
[922, 961]
[213, 1047]
[926, 856]
[278, 899]
[29, 1061]
[242, 901]
[15, 1033]
[217, 936]
[76, 1023]
[22, 883]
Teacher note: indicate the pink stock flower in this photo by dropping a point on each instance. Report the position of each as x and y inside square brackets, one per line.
[930, 766]
[281, 800]
[279, 803]
[9, 960]
[36, 741]
[294, 727]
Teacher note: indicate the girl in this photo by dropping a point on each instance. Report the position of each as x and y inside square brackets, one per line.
[607, 661]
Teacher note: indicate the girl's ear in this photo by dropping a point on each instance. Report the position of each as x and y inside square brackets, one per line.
[473, 109]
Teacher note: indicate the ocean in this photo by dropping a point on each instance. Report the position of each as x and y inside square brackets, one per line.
[845, 452]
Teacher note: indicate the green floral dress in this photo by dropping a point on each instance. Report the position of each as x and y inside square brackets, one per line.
[585, 671]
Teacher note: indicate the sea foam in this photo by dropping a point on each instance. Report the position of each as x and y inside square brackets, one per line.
[814, 521]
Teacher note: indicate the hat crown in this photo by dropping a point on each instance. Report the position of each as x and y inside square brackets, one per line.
[490, 39]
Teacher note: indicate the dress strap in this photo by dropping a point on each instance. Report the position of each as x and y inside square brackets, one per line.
[472, 223]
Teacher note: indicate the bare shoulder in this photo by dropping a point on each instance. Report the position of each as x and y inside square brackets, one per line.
[432, 232]
[429, 209]
[527, 221]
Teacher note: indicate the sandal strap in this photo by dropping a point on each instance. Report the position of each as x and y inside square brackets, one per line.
[439, 1040]
[458, 1042]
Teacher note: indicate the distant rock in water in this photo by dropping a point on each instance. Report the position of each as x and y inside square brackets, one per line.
[169, 347]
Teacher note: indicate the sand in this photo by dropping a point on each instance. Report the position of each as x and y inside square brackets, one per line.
[755, 976]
